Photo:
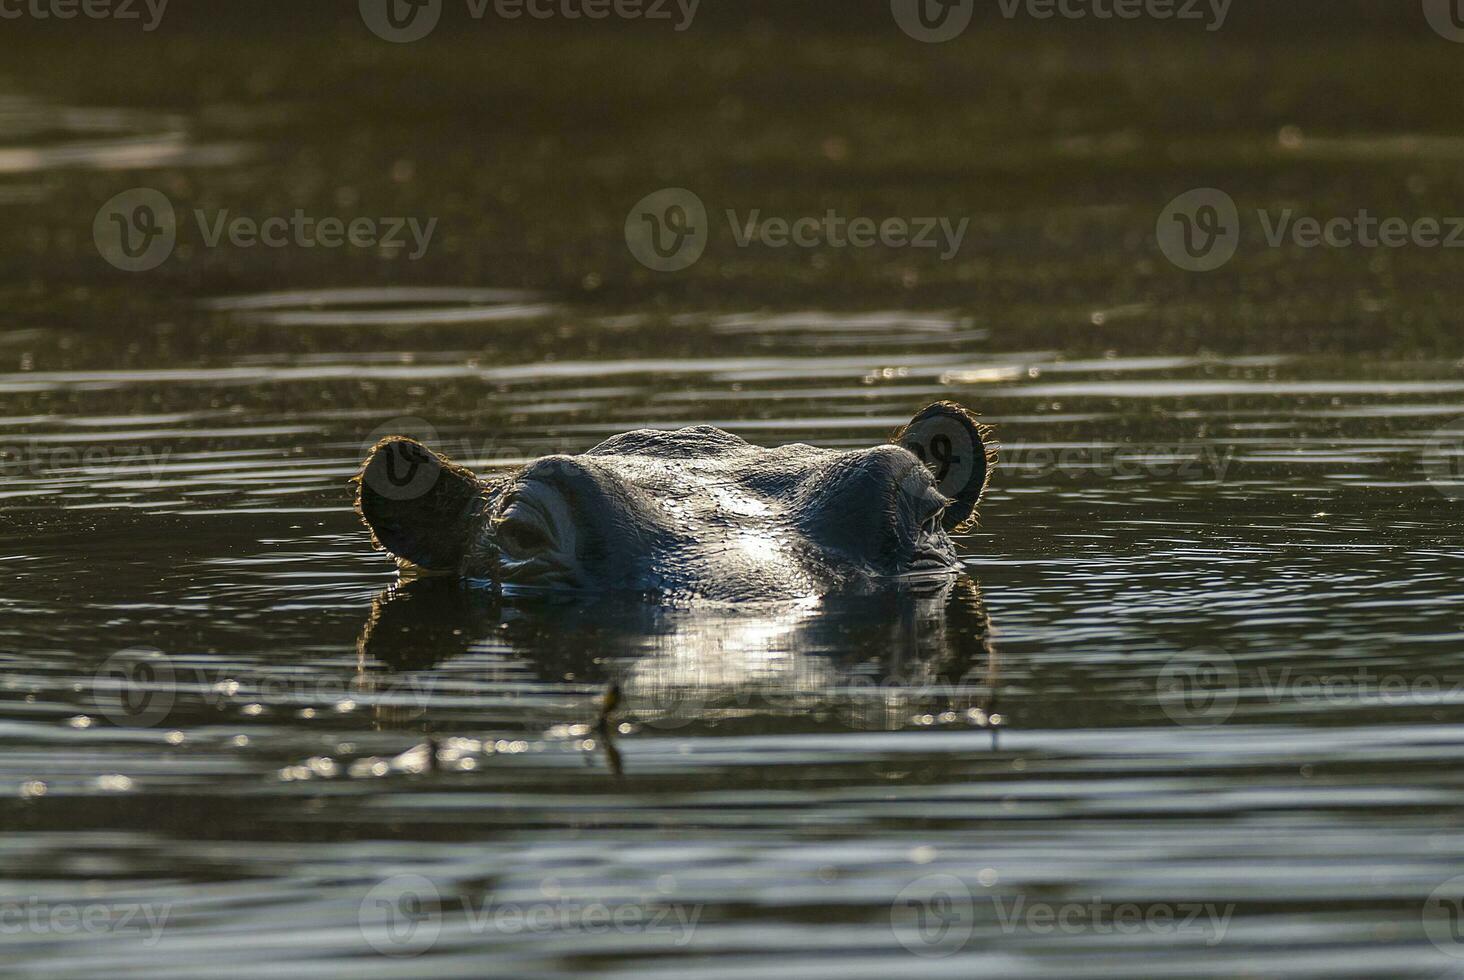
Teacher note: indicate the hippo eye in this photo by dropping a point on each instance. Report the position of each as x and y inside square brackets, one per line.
[931, 508]
[529, 524]
[521, 536]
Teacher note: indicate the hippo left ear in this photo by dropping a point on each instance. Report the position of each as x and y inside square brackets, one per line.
[418, 504]
[960, 452]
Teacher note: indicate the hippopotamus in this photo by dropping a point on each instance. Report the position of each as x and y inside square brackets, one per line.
[695, 512]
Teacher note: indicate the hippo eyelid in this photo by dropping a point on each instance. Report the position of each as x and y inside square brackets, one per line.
[934, 504]
[533, 517]
[929, 498]
[522, 512]
[522, 536]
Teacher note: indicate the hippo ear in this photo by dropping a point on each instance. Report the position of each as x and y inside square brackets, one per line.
[418, 504]
[960, 452]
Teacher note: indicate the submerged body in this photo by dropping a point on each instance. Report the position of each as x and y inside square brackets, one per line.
[693, 512]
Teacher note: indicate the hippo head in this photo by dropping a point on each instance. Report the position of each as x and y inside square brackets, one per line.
[695, 512]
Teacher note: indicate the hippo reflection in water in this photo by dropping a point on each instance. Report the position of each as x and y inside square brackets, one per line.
[696, 512]
[871, 661]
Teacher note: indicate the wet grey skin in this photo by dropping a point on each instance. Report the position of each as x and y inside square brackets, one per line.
[695, 512]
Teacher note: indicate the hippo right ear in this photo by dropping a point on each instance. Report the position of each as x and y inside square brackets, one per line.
[418, 504]
[960, 452]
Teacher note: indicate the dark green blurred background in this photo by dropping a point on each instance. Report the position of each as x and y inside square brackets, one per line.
[529, 142]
